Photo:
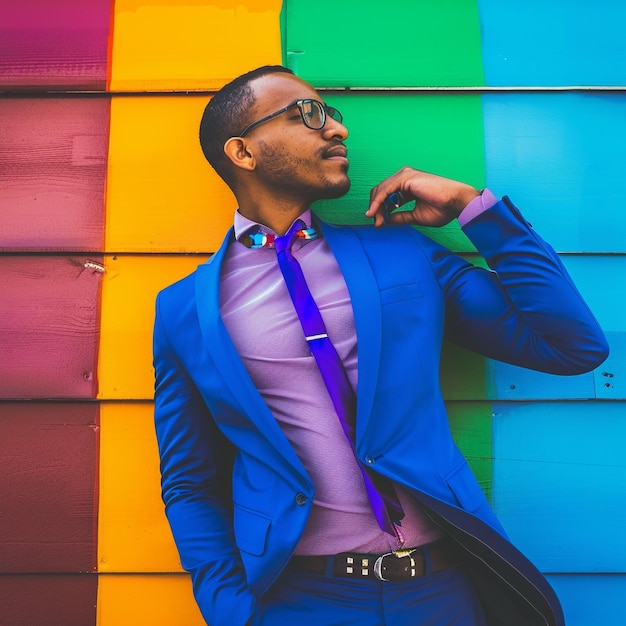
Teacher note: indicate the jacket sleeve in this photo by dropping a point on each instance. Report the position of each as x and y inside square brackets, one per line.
[524, 309]
[196, 467]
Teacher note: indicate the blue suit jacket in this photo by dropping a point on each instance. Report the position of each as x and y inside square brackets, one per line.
[236, 494]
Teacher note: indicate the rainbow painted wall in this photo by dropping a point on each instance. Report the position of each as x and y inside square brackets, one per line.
[105, 198]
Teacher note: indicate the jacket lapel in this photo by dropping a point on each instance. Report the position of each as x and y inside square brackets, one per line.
[237, 381]
[363, 289]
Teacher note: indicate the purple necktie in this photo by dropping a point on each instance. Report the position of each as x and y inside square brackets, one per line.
[381, 492]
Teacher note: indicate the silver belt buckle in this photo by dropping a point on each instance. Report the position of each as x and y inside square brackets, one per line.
[378, 564]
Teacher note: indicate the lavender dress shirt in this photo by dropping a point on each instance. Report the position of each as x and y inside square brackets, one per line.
[261, 320]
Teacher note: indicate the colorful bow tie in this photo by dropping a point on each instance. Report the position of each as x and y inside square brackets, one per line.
[266, 240]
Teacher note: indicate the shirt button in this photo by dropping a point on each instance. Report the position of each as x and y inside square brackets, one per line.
[369, 460]
[301, 499]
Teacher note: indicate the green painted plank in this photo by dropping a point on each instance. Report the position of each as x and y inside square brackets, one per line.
[471, 428]
[399, 43]
[441, 133]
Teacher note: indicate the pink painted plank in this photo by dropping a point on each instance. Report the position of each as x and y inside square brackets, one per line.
[48, 465]
[53, 161]
[49, 326]
[54, 44]
[53, 600]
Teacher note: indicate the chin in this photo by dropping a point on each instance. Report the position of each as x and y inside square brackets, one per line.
[335, 190]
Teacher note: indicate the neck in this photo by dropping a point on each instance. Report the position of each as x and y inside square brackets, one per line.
[273, 212]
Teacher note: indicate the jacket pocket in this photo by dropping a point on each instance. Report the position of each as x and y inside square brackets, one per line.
[399, 293]
[463, 484]
[251, 530]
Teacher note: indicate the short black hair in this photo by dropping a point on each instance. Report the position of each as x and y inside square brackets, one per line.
[227, 113]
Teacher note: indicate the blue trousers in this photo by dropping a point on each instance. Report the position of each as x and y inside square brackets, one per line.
[445, 598]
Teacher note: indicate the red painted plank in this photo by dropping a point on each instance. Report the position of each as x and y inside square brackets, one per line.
[53, 600]
[48, 465]
[53, 162]
[49, 326]
[54, 43]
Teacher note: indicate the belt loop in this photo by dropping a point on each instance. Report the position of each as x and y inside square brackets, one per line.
[428, 566]
[330, 561]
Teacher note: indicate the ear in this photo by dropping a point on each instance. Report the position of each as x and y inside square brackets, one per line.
[237, 150]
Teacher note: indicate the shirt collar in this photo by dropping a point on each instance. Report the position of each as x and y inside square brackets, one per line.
[242, 224]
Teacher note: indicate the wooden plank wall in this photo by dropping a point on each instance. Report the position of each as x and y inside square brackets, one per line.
[527, 98]
[106, 198]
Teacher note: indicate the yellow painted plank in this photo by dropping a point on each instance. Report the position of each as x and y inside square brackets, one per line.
[158, 600]
[133, 532]
[196, 44]
[162, 195]
[129, 288]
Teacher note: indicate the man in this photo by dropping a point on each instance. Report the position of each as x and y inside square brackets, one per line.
[309, 476]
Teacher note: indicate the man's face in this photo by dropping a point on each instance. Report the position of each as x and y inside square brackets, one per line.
[291, 157]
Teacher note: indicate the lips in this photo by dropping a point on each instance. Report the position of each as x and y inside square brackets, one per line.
[338, 152]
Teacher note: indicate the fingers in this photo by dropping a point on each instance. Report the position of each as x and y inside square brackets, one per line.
[438, 200]
[388, 196]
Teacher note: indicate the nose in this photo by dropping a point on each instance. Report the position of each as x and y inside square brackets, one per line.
[334, 129]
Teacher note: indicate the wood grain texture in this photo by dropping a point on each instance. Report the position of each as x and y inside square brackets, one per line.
[48, 464]
[559, 474]
[128, 295]
[133, 532]
[53, 161]
[391, 130]
[471, 427]
[54, 44]
[401, 43]
[52, 600]
[200, 52]
[553, 43]
[162, 195]
[49, 326]
[158, 600]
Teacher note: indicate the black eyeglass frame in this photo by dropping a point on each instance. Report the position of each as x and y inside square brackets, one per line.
[325, 109]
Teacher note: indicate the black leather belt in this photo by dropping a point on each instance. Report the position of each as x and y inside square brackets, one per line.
[398, 566]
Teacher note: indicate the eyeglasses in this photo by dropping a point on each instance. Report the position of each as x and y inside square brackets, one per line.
[312, 112]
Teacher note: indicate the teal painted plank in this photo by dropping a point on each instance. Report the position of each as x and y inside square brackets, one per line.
[560, 157]
[596, 600]
[508, 382]
[558, 482]
[402, 43]
[561, 42]
[598, 280]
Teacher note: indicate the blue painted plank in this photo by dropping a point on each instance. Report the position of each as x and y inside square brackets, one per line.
[600, 281]
[559, 476]
[560, 156]
[596, 600]
[561, 42]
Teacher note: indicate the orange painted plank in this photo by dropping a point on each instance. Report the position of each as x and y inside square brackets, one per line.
[48, 470]
[133, 532]
[199, 44]
[162, 195]
[127, 317]
[49, 326]
[158, 600]
[53, 162]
